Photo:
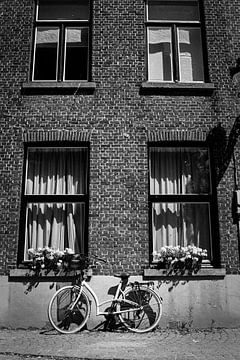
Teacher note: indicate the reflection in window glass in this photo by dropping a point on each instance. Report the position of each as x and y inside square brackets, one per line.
[76, 54]
[170, 10]
[160, 54]
[63, 10]
[45, 57]
[190, 54]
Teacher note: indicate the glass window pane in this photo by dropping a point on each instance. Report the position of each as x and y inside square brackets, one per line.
[190, 55]
[56, 171]
[179, 171]
[172, 10]
[181, 224]
[159, 54]
[57, 225]
[63, 10]
[76, 54]
[46, 54]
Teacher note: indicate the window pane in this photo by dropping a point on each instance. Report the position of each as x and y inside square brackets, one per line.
[179, 171]
[76, 54]
[190, 55]
[63, 10]
[159, 54]
[172, 10]
[56, 171]
[45, 57]
[181, 224]
[57, 225]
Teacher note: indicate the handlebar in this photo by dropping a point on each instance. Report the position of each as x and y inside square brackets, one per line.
[99, 259]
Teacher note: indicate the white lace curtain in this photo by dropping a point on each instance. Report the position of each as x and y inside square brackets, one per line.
[180, 171]
[56, 171]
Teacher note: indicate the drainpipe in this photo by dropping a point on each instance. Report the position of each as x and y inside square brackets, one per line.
[236, 202]
[235, 75]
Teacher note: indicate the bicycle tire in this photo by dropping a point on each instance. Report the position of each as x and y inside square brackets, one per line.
[64, 320]
[145, 319]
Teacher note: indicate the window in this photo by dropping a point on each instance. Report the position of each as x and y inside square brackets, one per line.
[174, 41]
[181, 197]
[55, 198]
[61, 40]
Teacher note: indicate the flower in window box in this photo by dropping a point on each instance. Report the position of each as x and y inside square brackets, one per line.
[178, 260]
[48, 259]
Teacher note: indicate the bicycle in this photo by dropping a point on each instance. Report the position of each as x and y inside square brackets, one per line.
[137, 306]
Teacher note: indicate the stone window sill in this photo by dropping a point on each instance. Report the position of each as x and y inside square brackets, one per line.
[52, 87]
[157, 88]
[203, 274]
[23, 275]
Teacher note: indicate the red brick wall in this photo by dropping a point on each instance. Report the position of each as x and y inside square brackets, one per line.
[119, 120]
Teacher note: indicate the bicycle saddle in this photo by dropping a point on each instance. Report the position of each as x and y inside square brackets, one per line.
[123, 275]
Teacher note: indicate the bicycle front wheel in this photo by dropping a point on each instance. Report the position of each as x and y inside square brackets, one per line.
[145, 314]
[65, 314]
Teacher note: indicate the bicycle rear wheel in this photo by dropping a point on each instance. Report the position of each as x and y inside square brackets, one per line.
[62, 316]
[147, 313]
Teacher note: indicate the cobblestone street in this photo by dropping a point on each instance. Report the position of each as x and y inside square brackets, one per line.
[217, 344]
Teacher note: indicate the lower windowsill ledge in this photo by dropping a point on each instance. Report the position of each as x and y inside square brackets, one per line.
[203, 273]
[23, 275]
[151, 88]
[63, 87]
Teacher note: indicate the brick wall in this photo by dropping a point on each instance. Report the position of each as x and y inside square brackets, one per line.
[119, 121]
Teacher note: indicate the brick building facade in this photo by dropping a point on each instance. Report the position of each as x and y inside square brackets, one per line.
[119, 108]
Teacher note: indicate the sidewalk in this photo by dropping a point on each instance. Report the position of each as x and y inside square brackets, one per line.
[217, 344]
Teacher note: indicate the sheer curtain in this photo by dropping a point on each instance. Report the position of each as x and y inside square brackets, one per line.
[180, 171]
[56, 171]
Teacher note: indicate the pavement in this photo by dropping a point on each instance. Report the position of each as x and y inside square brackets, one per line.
[162, 344]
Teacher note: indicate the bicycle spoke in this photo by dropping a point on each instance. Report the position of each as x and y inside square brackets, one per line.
[146, 313]
[62, 316]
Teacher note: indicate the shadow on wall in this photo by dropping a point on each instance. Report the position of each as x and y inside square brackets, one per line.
[223, 146]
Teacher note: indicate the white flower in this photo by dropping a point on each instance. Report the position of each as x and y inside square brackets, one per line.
[69, 251]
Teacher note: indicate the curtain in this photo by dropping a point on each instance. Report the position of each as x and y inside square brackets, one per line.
[175, 171]
[180, 171]
[53, 171]
[180, 224]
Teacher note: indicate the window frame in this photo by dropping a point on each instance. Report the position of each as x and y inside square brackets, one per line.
[48, 198]
[210, 198]
[175, 61]
[62, 25]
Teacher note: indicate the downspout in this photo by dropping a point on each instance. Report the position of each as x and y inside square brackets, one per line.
[236, 202]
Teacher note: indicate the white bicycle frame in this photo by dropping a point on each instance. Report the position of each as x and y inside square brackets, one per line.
[116, 299]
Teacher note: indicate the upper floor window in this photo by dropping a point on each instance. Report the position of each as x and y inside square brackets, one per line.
[61, 40]
[174, 41]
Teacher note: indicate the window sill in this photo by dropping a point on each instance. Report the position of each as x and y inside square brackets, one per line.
[157, 88]
[52, 87]
[203, 274]
[23, 275]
